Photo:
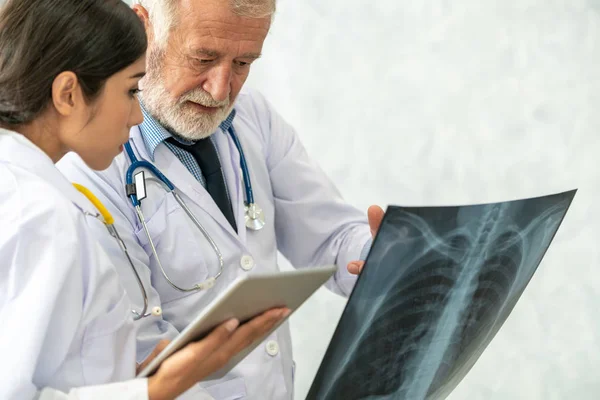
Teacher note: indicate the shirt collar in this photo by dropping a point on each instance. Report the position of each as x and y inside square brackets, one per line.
[153, 133]
[228, 122]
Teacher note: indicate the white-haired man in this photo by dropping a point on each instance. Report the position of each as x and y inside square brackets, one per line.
[198, 123]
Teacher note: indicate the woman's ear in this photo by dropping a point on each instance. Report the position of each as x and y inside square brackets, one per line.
[66, 93]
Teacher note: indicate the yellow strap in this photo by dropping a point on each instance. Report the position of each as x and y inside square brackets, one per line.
[108, 218]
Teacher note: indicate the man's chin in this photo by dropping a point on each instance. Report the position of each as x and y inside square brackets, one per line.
[191, 124]
[203, 110]
[194, 132]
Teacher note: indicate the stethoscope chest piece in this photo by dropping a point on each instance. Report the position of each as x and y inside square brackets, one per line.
[254, 218]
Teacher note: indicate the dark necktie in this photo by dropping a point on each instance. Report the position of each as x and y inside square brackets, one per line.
[205, 154]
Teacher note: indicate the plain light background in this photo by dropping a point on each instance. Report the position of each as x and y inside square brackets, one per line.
[447, 102]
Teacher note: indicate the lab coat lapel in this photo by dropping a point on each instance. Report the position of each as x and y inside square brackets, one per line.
[230, 162]
[183, 180]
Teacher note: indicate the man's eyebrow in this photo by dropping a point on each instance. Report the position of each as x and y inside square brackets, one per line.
[212, 53]
[206, 52]
[250, 55]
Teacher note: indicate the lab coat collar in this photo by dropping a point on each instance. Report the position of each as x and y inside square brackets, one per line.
[17, 150]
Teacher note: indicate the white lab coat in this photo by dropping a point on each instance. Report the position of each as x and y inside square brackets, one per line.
[306, 219]
[66, 320]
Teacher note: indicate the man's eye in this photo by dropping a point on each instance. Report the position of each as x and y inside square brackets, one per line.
[199, 62]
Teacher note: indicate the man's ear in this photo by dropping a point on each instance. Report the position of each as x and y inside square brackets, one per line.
[143, 15]
[66, 93]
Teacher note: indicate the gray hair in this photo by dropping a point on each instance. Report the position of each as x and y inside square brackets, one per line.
[163, 13]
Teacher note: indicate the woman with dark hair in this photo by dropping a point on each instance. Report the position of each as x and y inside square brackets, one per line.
[69, 71]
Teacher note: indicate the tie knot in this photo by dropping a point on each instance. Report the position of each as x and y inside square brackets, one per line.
[204, 152]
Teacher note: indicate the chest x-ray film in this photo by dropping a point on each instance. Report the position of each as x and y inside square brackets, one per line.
[438, 284]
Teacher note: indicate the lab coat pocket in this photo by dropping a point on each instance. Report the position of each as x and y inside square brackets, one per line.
[155, 214]
[108, 347]
[180, 247]
[233, 389]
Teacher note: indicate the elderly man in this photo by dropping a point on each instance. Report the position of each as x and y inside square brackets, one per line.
[222, 148]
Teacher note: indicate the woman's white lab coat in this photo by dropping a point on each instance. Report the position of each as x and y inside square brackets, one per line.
[66, 321]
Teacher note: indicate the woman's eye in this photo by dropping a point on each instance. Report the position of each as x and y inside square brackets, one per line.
[134, 92]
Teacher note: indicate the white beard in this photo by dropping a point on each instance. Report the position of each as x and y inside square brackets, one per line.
[175, 114]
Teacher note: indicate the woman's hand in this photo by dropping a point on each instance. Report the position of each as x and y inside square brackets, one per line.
[159, 347]
[197, 360]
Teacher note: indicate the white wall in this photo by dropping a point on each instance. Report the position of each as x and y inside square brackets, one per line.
[438, 102]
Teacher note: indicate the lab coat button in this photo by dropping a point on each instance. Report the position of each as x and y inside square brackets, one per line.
[247, 263]
[272, 348]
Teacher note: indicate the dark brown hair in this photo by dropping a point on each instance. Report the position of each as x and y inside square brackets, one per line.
[39, 39]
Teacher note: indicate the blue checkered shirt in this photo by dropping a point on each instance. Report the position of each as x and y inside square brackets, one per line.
[153, 134]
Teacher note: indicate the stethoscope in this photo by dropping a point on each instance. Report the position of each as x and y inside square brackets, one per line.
[108, 220]
[135, 187]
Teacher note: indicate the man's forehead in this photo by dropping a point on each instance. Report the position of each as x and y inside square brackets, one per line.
[200, 30]
[216, 43]
[213, 38]
[210, 27]
[217, 13]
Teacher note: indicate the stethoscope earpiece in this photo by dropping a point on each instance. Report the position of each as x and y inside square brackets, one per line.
[207, 284]
[157, 311]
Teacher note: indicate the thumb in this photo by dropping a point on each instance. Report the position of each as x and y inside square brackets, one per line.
[375, 214]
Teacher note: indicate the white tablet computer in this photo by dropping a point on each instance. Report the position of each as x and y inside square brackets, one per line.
[245, 298]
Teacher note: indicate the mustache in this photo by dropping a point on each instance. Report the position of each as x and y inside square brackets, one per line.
[203, 98]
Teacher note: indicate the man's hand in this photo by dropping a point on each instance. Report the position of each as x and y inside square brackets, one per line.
[375, 215]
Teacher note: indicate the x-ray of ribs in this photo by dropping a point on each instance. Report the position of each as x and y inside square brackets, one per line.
[438, 285]
[454, 286]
